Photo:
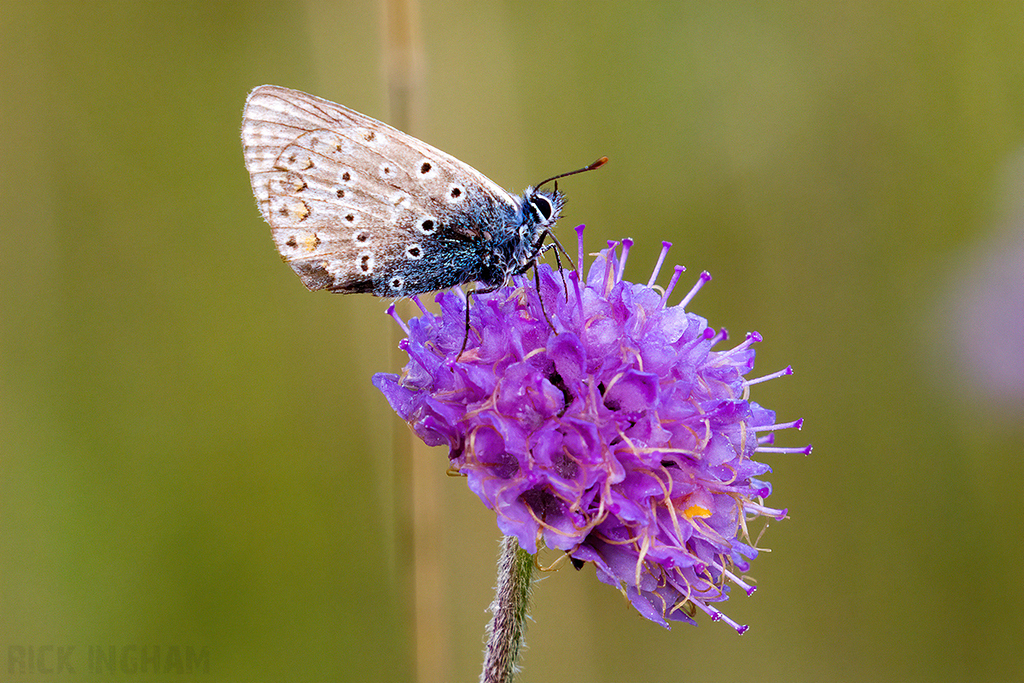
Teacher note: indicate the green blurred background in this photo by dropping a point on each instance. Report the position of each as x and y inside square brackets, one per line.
[192, 452]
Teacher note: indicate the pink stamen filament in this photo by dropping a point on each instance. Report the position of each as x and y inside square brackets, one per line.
[579, 244]
[750, 507]
[788, 370]
[665, 246]
[725, 357]
[747, 588]
[574, 276]
[608, 266]
[720, 616]
[626, 244]
[723, 335]
[752, 338]
[806, 450]
[401, 323]
[704, 278]
[672, 283]
[795, 424]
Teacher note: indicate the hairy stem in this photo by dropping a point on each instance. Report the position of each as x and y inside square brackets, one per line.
[505, 633]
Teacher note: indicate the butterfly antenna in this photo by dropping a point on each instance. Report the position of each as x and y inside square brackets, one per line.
[589, 167]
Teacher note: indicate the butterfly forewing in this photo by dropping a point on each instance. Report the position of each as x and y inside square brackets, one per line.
[356, 205]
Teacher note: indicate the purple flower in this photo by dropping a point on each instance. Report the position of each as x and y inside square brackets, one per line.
[619, 436]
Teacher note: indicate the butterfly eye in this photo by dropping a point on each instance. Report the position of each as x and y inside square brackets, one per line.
[543, 206]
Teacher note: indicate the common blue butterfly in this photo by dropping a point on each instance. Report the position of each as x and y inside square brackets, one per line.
[355, 205]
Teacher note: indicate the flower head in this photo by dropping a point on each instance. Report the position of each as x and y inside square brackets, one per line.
[598, 419]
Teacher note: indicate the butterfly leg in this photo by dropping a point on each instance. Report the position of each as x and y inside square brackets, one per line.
[555, 244]
[469, 294]
[540, 248]
[536, 279]
[532, 263]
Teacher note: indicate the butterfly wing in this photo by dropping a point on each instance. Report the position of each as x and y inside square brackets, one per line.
[355, 205]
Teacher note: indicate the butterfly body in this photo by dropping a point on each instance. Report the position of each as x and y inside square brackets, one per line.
[355, 205]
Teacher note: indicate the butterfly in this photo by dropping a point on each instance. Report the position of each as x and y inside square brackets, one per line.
[355, 205]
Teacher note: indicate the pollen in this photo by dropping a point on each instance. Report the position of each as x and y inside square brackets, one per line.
[696, 511]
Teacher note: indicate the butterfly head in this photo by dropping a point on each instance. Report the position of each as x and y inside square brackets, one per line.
[538, 211]
[545, 206]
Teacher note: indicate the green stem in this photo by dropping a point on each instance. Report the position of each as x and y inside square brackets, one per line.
[505, 633]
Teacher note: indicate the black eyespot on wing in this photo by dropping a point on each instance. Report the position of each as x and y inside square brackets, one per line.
[425, 168]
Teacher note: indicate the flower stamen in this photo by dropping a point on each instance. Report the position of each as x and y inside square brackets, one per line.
[665, 246]
[704, 278]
